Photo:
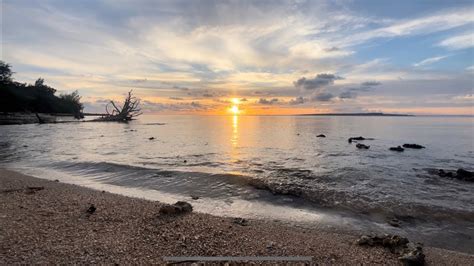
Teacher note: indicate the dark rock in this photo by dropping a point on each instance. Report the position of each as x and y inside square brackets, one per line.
[185, 161]
[168, 209]
[409, 254]
[413, 146]
[394, 222]
[184, 206]
[32, 190]
[321, 136]
[56, 180]
[241, 221]
[443, 173]
[464, 175]
[413, 255]
[35, 188]
[398, 148]
[151, 138]
[91, 209]
[179, 207]
[362, 146]
[194, 197]
[355, 138]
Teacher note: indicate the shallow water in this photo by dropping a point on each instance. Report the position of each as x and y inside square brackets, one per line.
[241, 165]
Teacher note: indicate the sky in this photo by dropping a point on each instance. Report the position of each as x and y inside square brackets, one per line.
[266, 57]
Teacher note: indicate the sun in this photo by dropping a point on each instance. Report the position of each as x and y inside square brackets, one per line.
[235, 109]
[235, 101]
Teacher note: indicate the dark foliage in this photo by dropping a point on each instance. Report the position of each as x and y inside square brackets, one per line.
[37, 98]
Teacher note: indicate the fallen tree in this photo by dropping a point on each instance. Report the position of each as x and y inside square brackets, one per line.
[129, 110]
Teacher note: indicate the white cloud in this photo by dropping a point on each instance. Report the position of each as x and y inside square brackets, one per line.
[429, 61]
[459, 42]
[440, 21]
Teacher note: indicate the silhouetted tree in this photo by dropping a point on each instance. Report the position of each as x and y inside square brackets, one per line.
[37, 98]
[5, 73]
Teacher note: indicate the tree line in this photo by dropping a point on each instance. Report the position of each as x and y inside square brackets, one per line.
[36, 98]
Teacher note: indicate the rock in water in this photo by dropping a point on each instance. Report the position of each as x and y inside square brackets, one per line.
[362, 146]
[151, 138]
[399, 149]
[321, 136]
[179, 207]
[413, 146]
[464, 175]
[394, 222]
[91, 209]
[355, 138]
[443, 173]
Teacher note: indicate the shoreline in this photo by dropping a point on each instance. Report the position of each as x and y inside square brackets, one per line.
[51, 226]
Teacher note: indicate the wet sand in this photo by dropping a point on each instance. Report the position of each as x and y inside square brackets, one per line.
[51, 225]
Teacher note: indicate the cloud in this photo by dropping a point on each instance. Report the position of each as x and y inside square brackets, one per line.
[267, 102]
[320, 81]
[150, 106]
[176, 98]
[370, 83]
[323, 97]
[458, 42]
[435, 22]
[298, 100]
[429, 61]
[464, 98]
[347, 95]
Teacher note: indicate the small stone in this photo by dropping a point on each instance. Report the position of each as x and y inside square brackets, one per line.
[321, 136]
[151, 138]
[241, 221]
[91, 209]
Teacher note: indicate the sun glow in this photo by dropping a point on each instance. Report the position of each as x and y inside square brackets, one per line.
[234, 109]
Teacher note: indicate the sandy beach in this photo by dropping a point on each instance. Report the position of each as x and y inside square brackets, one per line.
[48, 223]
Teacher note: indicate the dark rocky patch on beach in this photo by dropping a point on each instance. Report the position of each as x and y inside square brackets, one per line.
[409, 253]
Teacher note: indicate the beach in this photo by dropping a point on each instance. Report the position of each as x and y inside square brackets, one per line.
[49, 223]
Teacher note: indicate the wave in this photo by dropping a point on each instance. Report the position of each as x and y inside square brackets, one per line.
[322, 191]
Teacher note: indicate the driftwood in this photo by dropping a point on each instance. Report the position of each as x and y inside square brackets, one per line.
[127, 112]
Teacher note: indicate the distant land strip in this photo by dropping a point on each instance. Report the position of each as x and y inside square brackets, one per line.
[355, 114]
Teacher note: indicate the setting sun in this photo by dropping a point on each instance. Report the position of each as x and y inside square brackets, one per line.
[234, 109]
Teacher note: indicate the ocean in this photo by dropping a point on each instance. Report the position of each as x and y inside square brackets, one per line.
[271, 167]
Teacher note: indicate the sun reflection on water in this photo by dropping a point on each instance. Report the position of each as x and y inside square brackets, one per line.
[235, 131]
